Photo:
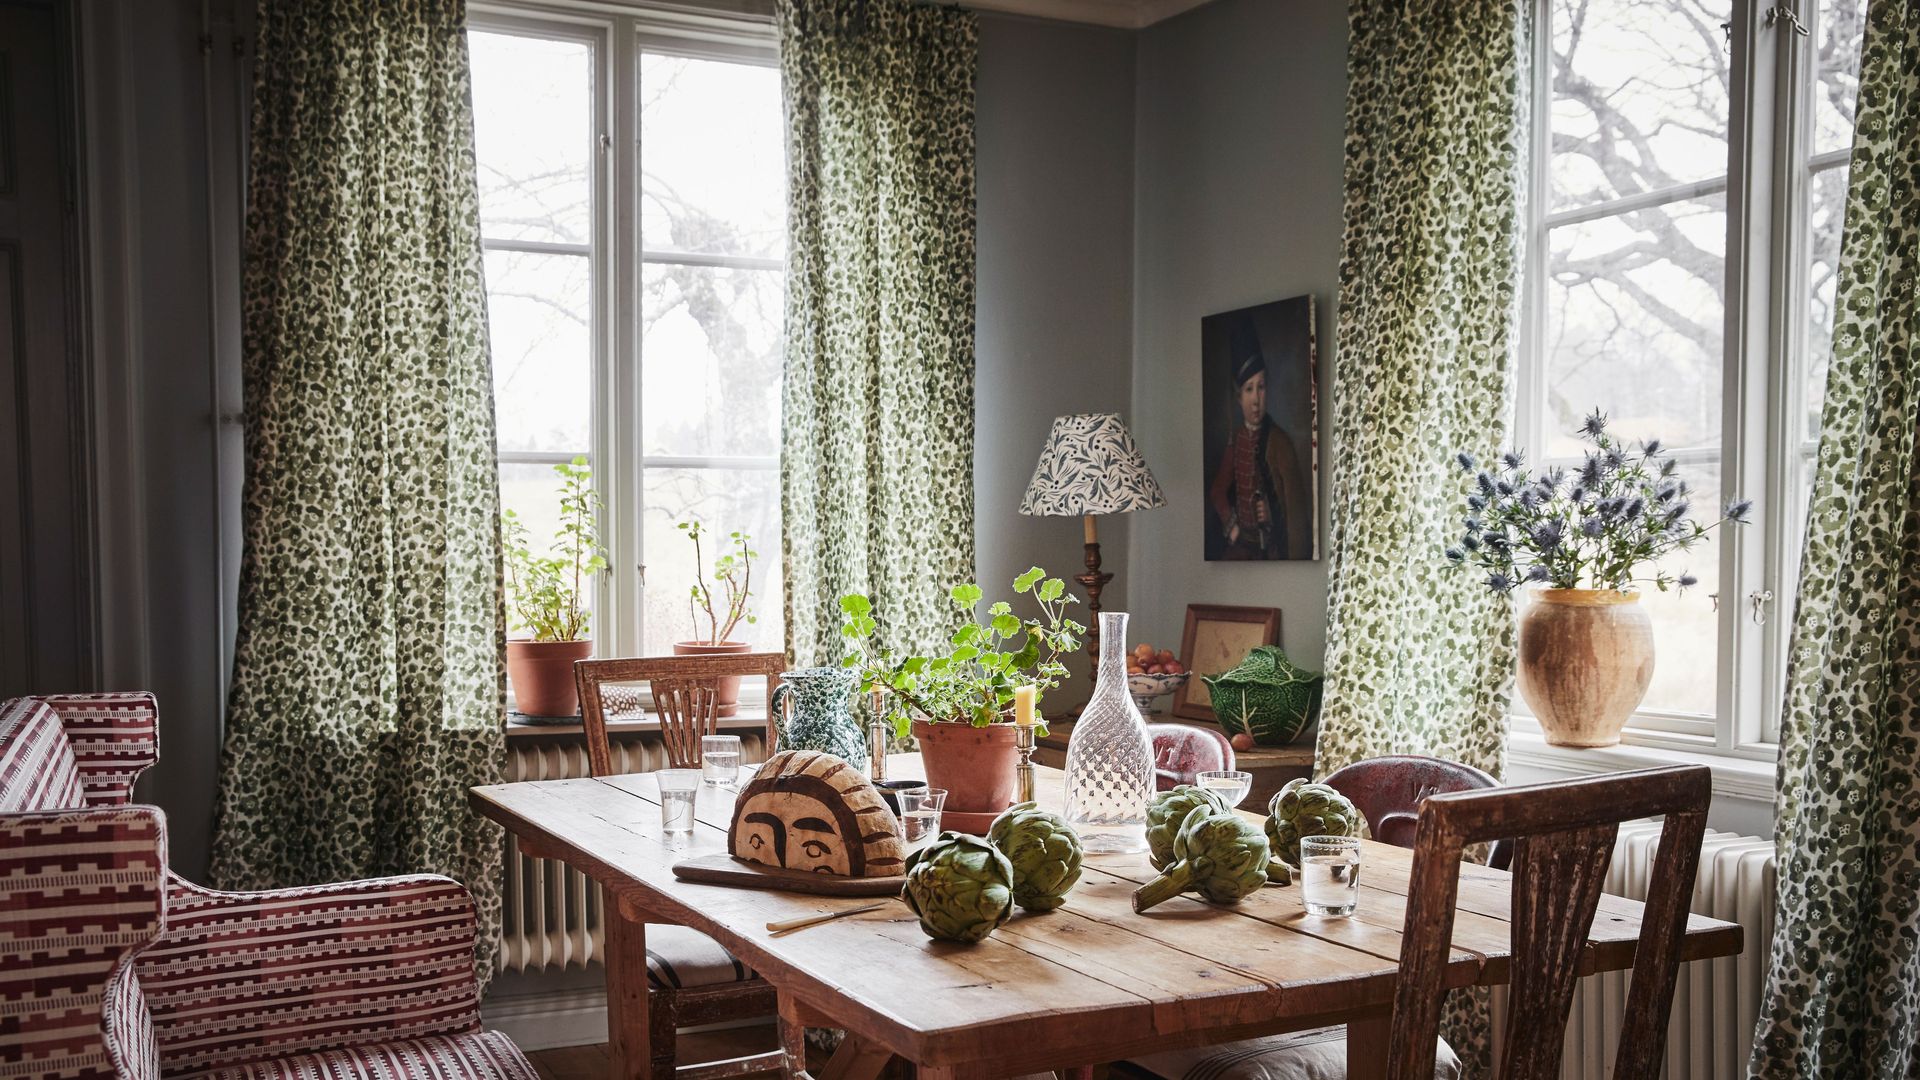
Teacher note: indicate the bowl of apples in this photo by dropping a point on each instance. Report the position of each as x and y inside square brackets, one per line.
[1152, 674]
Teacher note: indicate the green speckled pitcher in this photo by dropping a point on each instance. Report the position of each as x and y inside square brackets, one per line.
[813, 710]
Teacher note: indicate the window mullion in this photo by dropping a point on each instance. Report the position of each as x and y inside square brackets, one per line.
[619, 411]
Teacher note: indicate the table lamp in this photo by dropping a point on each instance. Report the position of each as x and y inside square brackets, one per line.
[1088, 467]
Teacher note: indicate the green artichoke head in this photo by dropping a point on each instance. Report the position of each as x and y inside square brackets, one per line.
[1218, 854]
[1044, 852]
[1303, 808]
[960, 886]
[1165, 813]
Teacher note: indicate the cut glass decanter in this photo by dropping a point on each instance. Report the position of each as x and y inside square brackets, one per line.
[1110, 757]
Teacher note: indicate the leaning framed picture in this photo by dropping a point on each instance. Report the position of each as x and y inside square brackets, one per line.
[1260, 430]
[1217, 638]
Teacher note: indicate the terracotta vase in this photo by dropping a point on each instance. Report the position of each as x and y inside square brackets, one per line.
[1586, 657]
[542, 676]
[726, 691]
[975, 764]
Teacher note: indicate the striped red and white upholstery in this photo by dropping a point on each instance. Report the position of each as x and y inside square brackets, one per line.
[680, 958]
[479, 1055]
[115, 738]
[37, 768]
[81, 892]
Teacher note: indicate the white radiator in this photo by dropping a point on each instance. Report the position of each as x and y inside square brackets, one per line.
[552, 916]
[1715, 1002]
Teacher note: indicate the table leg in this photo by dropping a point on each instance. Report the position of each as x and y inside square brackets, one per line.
[1367, 1046]
[629, 1041]
[793, 1038]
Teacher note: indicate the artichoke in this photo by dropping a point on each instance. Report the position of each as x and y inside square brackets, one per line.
[1303, 808]
[1045, 853]
[1220, 855]
[960, 886]
[1165, 813]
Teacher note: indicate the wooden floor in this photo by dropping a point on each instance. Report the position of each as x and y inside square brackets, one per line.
[590, 1062]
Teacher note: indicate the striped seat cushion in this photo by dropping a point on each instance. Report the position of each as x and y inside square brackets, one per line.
[679, 958]
[37, 767]
[478, 1055]
[1318, 1054]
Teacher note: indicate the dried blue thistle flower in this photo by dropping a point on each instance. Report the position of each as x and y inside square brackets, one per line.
[1485, 481]
[1738, 510]
[1476, 503]
[1499, 582]
[1503, 487]
[1538, 572]
[1668, 467]
[1547, 537]
[1594, 425]
[1650, 448]
[1687, 581]
[1634, 508]
[1592, 472]
[1592, 527]
[1512, 459]
[1465, 461]
[1616, 459]
[1455, 554]
[1471, 541]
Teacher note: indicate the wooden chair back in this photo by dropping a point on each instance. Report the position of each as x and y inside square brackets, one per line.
[1388, 791]
[1563, 837]
[1181, 752]
[683, 689]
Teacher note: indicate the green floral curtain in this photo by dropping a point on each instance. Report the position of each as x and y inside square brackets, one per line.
[1843, 992]
[876, 474]
[1420, 658]
[368, 688]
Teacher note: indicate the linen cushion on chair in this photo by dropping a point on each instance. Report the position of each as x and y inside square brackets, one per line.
[37, 767]
[476, 1055]
[1319, 1054]
[679, 958]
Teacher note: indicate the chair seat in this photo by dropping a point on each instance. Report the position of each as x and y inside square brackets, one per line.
[681, 958]
[478, 1055]
[1318, 1054]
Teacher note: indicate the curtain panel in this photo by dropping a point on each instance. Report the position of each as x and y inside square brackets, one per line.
[876, 474]
[368, 684]
[1843, 992]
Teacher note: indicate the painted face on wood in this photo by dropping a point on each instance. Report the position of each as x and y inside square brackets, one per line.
[810, 811]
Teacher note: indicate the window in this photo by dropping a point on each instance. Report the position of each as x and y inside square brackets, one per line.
[1690, 174]
[633, 201]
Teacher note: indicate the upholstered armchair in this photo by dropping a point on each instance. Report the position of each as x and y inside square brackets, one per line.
[112, 965]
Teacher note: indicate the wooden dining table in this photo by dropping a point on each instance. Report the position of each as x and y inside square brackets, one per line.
[1088, 983]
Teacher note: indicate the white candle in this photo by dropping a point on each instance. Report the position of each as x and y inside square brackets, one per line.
[1023, 699]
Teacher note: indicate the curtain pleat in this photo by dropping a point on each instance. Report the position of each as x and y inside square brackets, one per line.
[877, 423]
[1843, 987]
[368, 689]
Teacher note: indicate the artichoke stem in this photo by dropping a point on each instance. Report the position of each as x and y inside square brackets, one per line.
[1279, 873]
[1171, 883]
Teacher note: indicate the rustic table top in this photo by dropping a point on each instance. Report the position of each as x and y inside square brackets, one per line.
[1092, 981]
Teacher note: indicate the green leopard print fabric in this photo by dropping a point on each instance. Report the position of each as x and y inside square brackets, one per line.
[368, 685]
[1843, 986]
[876, 471]
[1420, 660]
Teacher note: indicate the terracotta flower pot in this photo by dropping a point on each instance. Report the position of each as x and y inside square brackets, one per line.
[542, 676]
[975, 764]
[726, 691]
[1586, 657]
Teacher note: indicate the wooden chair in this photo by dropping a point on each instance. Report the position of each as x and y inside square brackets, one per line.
[1389, 790]
[1563, 835]
[1181, 752]
[691, 980]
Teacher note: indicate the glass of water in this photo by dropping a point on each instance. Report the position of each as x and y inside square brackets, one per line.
[677, 790]
[720, 759]
[1330, 874]
[1231, 784]
[920, 815]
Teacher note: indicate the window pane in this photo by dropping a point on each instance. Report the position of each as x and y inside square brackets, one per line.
[712, 157]
[533, 492]
[1686, 628]
[1640, 99]
[711, 360]
[1826, 218]
[1836, 88]
[533, 136]
[722, 500]
[539, 319]
[1635, 307]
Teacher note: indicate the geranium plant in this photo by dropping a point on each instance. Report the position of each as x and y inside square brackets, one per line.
[545, 588]
[992, 652]
[1603, 525]
[733, 573]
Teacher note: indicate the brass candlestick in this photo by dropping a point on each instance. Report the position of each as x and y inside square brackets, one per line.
[877, 742]
[1023, 773]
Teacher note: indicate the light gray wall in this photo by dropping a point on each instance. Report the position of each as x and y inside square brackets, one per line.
[1054, 161]
[1237, 200]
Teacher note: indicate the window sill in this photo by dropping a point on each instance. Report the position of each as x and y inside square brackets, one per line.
[1733, 778]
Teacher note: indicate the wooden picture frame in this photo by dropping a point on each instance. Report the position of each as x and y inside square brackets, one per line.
[1218, 637]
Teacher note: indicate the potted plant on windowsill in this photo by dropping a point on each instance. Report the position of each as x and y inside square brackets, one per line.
[733, 574]
[545, 598]
[959, 704]
[1586, 537]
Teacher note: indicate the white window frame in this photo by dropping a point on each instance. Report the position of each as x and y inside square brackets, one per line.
[618, 34]
[1763, 383]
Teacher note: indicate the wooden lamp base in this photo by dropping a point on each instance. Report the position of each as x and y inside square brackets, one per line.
[1092, 581]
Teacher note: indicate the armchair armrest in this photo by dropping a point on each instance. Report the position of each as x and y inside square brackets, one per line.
[115, 738]
[84, 894]
[245, 976]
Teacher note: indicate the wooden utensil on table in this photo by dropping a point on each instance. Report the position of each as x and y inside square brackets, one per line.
[785, 926]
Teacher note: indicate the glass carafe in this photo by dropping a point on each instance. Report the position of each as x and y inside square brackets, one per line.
[1110, 757]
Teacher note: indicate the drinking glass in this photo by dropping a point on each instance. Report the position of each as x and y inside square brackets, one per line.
[1330, 874]
[720, 759]
[677, 790]
[1231, 784]
[920, 815]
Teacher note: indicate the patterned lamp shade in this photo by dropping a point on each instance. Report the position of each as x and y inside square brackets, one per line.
[1090, 466]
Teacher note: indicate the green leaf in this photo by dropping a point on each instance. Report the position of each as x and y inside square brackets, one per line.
[1025, 581]
[1006, 625]
[856, 604]
[966, 635]
[1051, 590]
